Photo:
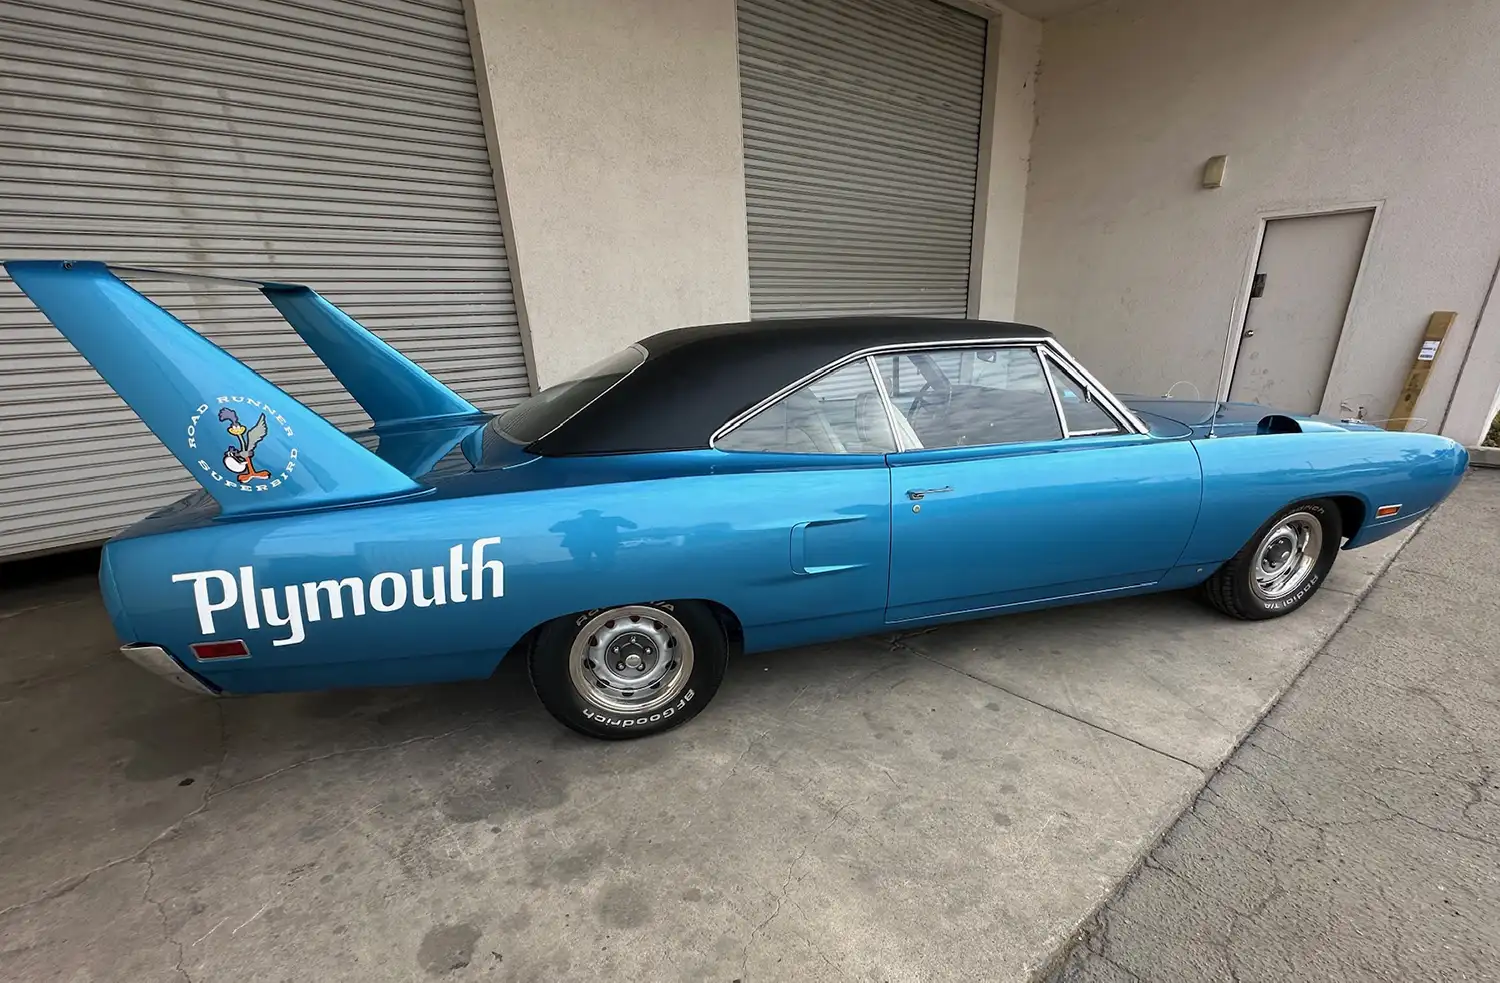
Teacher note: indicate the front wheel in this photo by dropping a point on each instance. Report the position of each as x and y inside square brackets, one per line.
[629, 671]
[1282, 565]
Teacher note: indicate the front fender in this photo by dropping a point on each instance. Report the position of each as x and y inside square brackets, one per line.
[1247, 479]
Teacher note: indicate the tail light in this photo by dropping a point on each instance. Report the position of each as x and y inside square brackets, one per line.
[236, 649]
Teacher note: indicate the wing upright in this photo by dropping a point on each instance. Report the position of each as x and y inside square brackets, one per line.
[178, 382]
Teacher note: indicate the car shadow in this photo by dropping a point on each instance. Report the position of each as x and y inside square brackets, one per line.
[503, 708]
[168, 735]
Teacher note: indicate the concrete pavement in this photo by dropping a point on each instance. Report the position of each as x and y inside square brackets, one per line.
[943, 805]
[1355, 836]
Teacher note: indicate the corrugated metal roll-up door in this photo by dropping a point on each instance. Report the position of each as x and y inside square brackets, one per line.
[336, 143]
[861, 124]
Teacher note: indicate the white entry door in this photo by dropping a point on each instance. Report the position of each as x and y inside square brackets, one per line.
[1303, 284]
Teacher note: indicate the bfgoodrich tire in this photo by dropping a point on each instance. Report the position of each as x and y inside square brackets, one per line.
[631, 670]
[1283, 564]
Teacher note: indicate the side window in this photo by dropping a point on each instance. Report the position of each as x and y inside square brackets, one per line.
[1084, 416]
[839, 413]
[969, 397]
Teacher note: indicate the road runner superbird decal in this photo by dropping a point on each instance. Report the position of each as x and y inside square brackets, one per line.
[241, 459]
[238, 461]
[290, 607]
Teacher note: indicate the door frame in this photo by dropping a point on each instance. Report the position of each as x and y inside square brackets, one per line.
[1236, 333]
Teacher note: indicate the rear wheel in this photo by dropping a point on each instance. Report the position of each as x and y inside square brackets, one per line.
[1283, 564]
[629, 671]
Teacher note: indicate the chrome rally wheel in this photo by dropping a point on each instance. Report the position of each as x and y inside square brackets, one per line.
[631, 660]
[1287, 556]
[1283, 564]
[630, 670]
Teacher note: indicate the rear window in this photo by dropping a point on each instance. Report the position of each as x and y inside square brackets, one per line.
[535, 417]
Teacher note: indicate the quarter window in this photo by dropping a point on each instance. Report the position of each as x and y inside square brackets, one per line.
[838, 413]
[1082, 412]
[540, 414]
[971, 397]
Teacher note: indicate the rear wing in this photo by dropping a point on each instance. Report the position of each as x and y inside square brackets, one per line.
[252, 446]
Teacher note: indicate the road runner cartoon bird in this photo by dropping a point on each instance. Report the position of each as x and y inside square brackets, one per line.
[240, 459]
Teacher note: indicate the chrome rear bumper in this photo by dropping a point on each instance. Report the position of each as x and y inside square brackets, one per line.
[155, 659]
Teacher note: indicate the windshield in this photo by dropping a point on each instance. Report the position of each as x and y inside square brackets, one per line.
[535, 417]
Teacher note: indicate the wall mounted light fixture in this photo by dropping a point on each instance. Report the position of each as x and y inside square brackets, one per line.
[1213, 171]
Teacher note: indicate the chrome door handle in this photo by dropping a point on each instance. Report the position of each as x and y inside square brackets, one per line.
[917, 494]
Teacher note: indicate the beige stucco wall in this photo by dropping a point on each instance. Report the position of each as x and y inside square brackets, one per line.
[1476, 398]
[616, 129]
[1317, 105]
[1005, 151]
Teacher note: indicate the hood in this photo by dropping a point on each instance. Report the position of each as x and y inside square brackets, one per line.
[1229, 419]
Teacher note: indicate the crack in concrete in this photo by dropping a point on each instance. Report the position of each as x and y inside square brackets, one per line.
[1101, 932]
[1477, 787]
[1474, 788]
[1096, 923]
[161, 911]
[786, 885]
[1394, 813]
[1155, 863]
[213, 781]
[1441, 830]
[1278, 891]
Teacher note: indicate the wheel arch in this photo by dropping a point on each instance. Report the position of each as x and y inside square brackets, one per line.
[1352, 508]
[1353, 511]
[734, 631]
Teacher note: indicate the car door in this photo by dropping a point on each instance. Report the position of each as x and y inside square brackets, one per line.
[813, 562]
[1015, 485]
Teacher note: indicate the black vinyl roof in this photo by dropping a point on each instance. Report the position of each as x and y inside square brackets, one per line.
[694, 380]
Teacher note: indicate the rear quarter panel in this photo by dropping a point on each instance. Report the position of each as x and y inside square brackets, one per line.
[718, 537]
[1247, 479]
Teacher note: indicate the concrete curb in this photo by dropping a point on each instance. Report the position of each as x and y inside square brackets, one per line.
[1075, 936]
[1484, 457]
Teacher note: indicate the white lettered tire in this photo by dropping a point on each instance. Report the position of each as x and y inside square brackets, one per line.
[631, 670]
[1283, 564]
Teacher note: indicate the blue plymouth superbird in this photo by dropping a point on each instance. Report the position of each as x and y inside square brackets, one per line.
[709, 490]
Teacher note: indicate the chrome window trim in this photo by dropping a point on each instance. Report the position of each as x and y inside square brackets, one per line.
[1057, 406]
[1112, 403]
[1045, 347]
[1036, 348]
[807, 380]
[864, 353]
[1048, 364]
[885, 400]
